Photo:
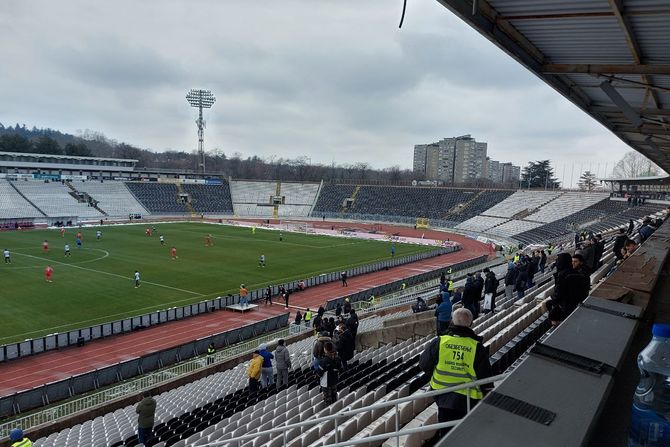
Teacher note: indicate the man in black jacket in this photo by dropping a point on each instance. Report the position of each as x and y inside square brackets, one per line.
[459, 356]
[619, 243]
[328, 369]
[345, 344]
[490, 288]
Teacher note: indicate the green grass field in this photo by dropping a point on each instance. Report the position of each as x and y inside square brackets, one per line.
[95, 284]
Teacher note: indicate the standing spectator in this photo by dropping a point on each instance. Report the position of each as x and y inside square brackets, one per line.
[443, 314]
[629, 248]
[558, 303]
[347, 306]
[328, 369]
[343, 277]
[631, 227]
[543, 260]
[317, 350]
[521, 281]
[283, 363]
[317, 323]
[619, 243]
[457, 297]
[490, 290]
[588, 255]
[338, 309]
[352, 323]
[211, 350]
[18, 439]
[579, 264]
[287, 294]
[457, 357]
[510, 280]
[470, 297]
[267, 373]
[307, 317]
[298, 318]
[254, 371]
[145, 410]
[345, 344]
[531, 268]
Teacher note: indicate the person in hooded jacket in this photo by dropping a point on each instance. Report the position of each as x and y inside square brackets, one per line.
[510, 280]
[490, 287]
[470, 296]
[521, 281]
[345, 344]
[282, 363]
[267, 373]
[559, 303]
[443, 313]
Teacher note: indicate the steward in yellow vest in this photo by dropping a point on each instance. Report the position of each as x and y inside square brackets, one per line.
[450, 286]
[454, 358]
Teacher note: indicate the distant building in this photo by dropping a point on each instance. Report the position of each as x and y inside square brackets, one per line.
[510, 174]
[451, 160]
[493, 170]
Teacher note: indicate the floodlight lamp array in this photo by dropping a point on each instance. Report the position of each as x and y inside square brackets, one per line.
[200, 98]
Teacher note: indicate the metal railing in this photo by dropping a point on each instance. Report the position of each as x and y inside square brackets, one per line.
[397, 433]
[135, 386]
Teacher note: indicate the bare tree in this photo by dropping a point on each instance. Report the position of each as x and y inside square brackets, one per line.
[634, 164]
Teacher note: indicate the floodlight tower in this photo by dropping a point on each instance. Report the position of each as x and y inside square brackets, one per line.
[201, 99]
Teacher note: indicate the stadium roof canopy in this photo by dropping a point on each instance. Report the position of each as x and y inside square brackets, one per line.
[651, 180]
[611, 58]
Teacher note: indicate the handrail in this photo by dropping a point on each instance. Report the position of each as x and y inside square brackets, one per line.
[346, 413]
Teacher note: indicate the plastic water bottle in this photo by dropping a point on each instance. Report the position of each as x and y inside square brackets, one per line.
[650, 425]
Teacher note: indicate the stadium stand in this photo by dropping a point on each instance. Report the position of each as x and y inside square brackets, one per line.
[210, 198]
[157, 197]
[513, 227]
[114, 198]
[481, 201]
[54, 199]
[13, 205]
[299, 193]
[481, 223]
[566, 204]
[252, 192]
[331, 198]
[519, 202]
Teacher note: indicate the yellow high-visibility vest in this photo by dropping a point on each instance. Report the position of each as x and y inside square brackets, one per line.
[455, 365]
[308, 315]
[450, 286]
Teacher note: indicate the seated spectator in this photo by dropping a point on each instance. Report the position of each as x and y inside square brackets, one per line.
[646, 229]
[420, 305]
[629, 248]
[301, 285]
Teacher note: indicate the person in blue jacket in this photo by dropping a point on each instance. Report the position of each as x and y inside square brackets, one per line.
[443, 313]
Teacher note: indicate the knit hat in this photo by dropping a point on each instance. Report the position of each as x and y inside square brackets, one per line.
[262, 347]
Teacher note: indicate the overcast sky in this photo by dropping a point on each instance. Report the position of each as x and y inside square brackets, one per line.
[334, 80]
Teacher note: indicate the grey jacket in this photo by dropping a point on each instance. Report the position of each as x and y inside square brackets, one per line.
[282, 358]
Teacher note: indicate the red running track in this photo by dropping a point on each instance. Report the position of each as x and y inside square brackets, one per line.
[26, 373]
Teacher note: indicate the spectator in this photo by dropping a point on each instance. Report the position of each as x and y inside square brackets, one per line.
[619, 243]
[145, 410]
[317, 323]
[521, 281]
[338, 309]
[510, 280]
[347, 306]
[282, 363]
[343, 277]
[308, 317]
[328, 369]
[346, 345]
[268, 295]
[579, 265]
[454, 358]
[479, 284]
[543, 260]
[531, 268]
[301, 285]
[558, 303]
[470, 297]
[298, 318]
[490, 288]
[587, 254]
[317, 350]
[457, 297]
[244, 300]
[267, 373]
[18, 439]
[443, 314]
[420, 305]
[352, 323]
[631, 226]
[646, 229]
[254, 371]
[629, 248]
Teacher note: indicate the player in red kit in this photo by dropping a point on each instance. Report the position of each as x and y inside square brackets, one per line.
[48, 273]
[174, 253]
[45, 246]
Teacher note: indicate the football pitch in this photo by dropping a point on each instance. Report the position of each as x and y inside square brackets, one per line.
[95, 284]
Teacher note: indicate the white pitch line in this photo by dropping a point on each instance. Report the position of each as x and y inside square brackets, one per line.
[108, 273]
